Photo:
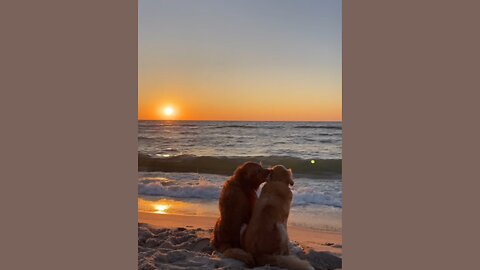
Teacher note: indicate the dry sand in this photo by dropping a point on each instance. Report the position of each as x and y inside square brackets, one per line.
[182, 242]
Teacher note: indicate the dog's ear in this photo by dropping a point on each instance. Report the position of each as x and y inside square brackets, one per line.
[290, 173]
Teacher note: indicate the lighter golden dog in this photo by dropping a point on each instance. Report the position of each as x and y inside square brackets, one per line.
[266, 237]
[236, 203]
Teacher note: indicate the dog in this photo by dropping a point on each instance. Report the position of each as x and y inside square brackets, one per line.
[236, 203]
[266, 237]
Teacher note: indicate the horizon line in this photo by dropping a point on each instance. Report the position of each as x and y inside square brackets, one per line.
[240, 120]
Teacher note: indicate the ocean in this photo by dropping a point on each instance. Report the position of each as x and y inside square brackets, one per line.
[183, 164]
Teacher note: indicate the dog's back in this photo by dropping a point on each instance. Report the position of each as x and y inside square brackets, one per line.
[267, 231]
[236, 204]
[266, 236]
[235, 210]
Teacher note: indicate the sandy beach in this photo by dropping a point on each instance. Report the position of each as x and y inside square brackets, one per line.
[182, 242]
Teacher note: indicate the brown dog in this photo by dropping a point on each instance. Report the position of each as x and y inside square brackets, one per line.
[236, 203]
[266, 236]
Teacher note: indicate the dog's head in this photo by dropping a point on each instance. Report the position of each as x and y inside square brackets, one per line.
[252, 174]
[281, 174]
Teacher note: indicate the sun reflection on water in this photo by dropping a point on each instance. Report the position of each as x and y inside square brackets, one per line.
[161, 208]
[175, 207]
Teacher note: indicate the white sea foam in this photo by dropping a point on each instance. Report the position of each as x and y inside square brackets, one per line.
[305, 192]
[315, 195]
[203, 189]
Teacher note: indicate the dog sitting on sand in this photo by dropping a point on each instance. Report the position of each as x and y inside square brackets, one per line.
[266, 237]
[236, 203]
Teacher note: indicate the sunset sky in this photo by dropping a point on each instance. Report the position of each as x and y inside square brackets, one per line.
[259, 60]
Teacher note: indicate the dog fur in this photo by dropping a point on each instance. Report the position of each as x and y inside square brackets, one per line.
[236, 203]
[266, 237]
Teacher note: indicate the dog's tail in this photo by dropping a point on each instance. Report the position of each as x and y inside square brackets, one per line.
[284, 261]
[239, 254]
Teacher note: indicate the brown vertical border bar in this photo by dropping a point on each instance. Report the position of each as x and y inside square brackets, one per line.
[68, 138]
[411, 131]
[69, 153]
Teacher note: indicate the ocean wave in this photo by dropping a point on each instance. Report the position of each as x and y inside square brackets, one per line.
[329, 134]
[170, 149]
[235, 126]
[204, 189]
[322, 127]
[251, 127]
[320, 140]
[307, 195]
[145, 138]
[226, 165]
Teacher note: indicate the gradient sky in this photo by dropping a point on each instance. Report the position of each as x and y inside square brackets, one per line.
[272, 60]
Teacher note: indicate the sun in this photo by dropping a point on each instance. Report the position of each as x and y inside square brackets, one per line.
[168, 111]
[161, 208]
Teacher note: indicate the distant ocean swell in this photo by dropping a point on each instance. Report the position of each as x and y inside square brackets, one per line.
[240, 125]
[321, 168]
[204, 189]
[322, 127]
[278, 127]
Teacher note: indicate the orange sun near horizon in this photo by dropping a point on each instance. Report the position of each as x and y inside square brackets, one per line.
[183, 111]
[167, 112]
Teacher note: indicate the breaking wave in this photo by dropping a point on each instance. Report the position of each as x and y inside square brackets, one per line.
[319, 168]
[204, 189]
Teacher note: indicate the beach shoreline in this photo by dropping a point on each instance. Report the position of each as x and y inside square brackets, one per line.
[307, 238]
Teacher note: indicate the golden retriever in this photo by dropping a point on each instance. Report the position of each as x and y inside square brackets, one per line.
[266, 237]
[236, 203]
